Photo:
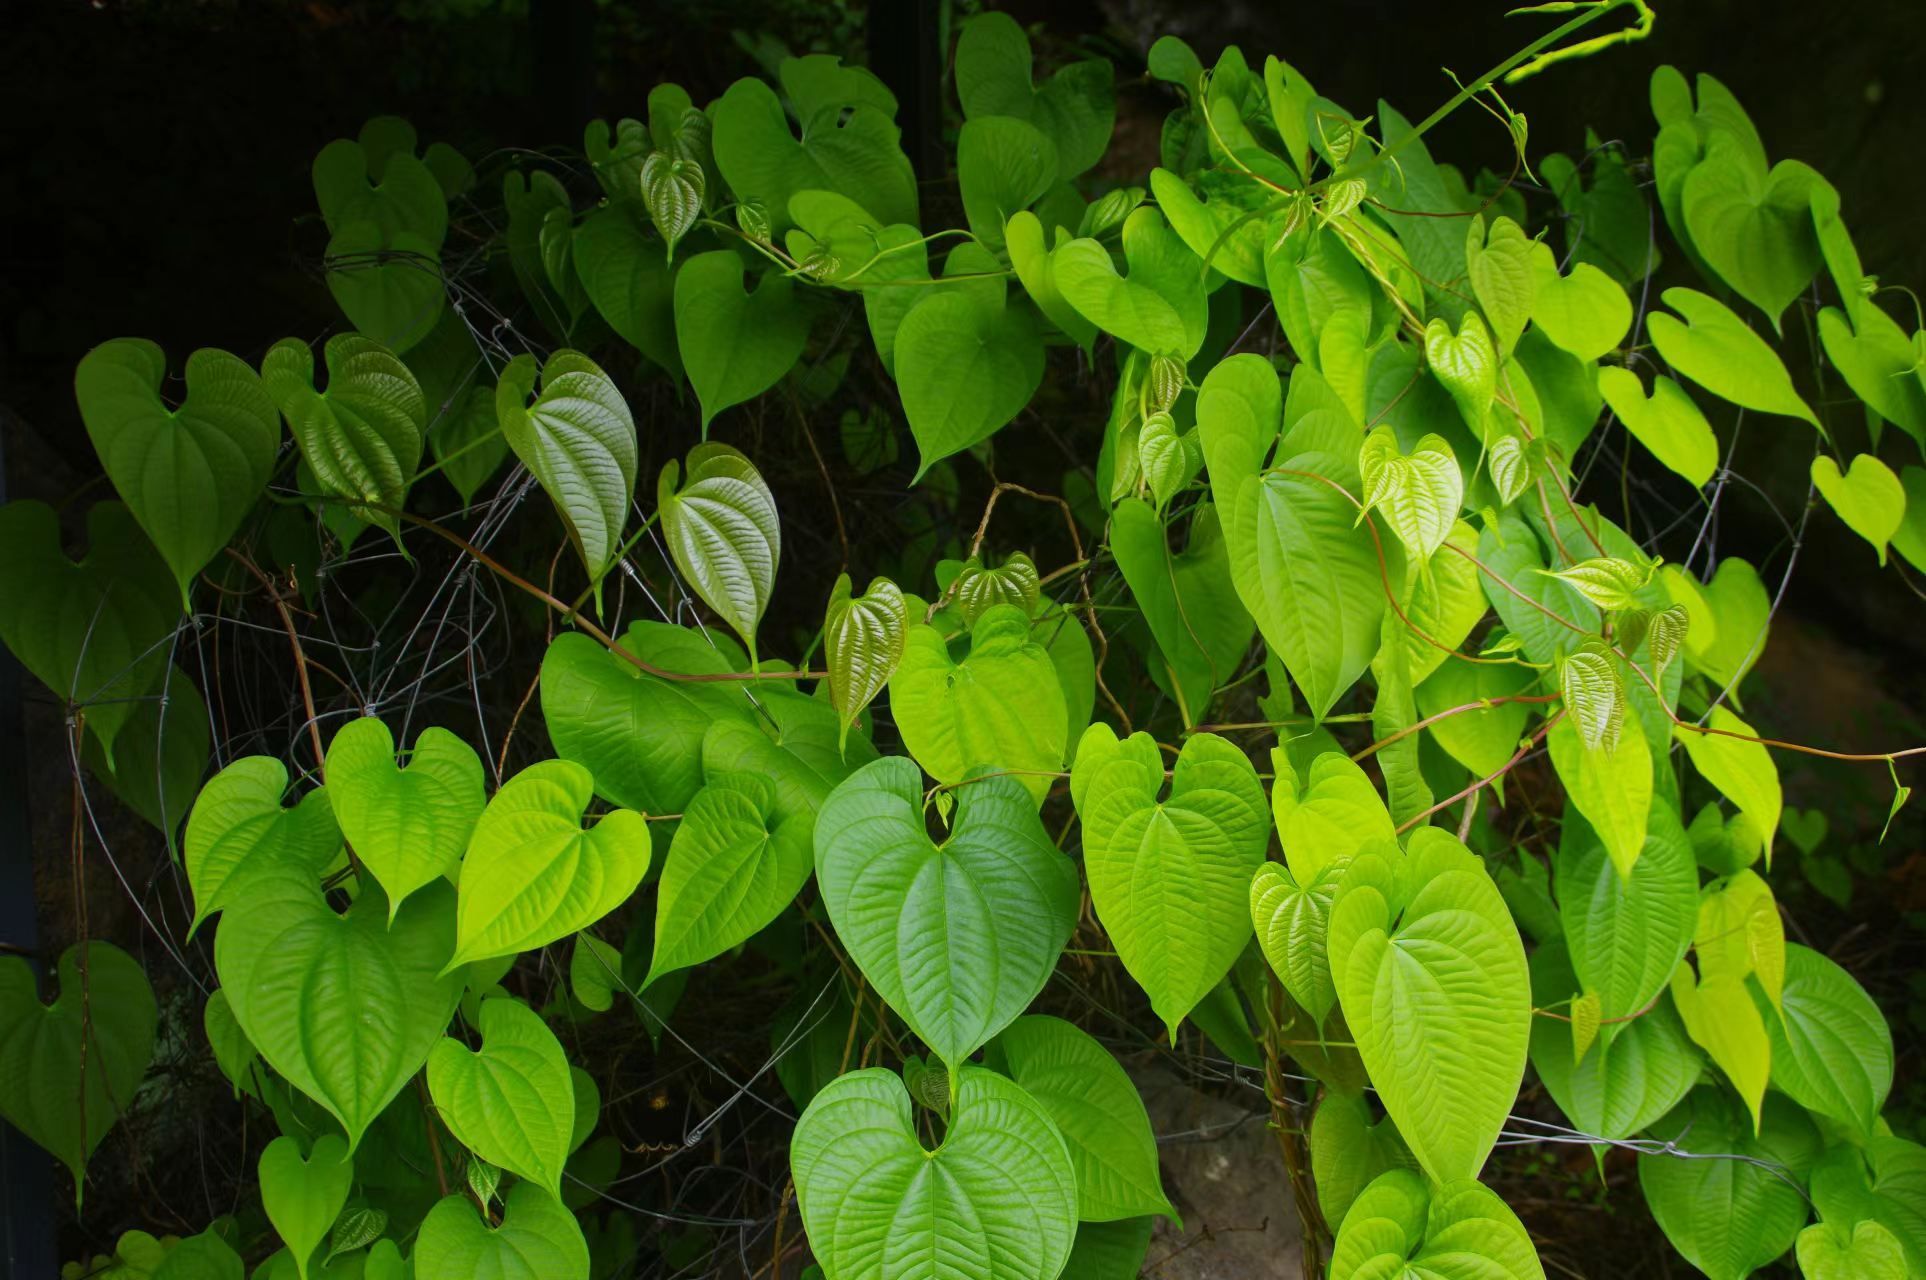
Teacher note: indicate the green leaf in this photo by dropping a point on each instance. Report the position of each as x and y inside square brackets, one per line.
[794, 743]
[533, 875]
[959, 937]
[721, 526]
[734, 344]
[362, 437]
[1465, 365]
[1109, 1250]
[1443, 604]
[629, 283]
[1431, 975]
[1292, 921]
[1594, 695]
[997, 1198]
[1499, 263]
[1003, 166]
[1607, 581]
[1878, 361]
[578, 440]
[1201, 630]
[303, 1197]
[69, 1069]
[1668, 424]
[1482, 740]
[238, 831]
[1865, 1251]
[1737, 601]
[1627, 934]
[1585, 313]
[1328, 818]
[190, 474]
[1096, 1109]
[1170, 876]
[1350, 1149]
[1001, 707]
[511, 1102]
[538, 1239]
[92, 631]
[162, 755]
[1400, 1226]
[1419, 493]
[848, 145]
[1612, 786]
[734, 864]
[1832, 1052]
[1742, 771]
[1719, 353]
[1075, 108]
[965, 366]
[1026, 241]
[1159, 307]
[1719, 1014]
[1753, 228]
[1868, 497]
[1310, 578]
[344, 1007]
[640, 735]
[1394, 722]
[977, 588]
[1629, 1080]
[672, 188]
[408, 826]
[1889, 1192]
[863, 643]
[1728, 1216]
[208, 1257]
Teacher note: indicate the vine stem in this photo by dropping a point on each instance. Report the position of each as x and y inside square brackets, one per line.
[1524, 749]
[300, 658]
[1483, 704]
[1290, 1134]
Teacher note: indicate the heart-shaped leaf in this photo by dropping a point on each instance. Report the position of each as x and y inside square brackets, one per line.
[1668, 424]
[1170, 876]
[640, 735]
[1418, 492]
[388, 283]
[511, 1102]
[1075, 108]
[69, 1069]
[93, 631]
[792, 742]
[1097, 1111]
[957, 937]
[1025, 240]
[1720, 1016]
[1292, 921]
[1480, 740]
[965, 366]
[1351, 1147]
[362, 436]
[722, 528]
[1585, 313]
[533, 875]
[1500, 267]
[1832, 1052]
[578, 439]
[997, 1198]
[1865, 1251]
[1003, 166]
[239, 830]
[189, 474]
[303, 1197]
[1713, 347]
[1752, 227]
[672, 187]
[1742, 770]
[1400, 1226]
[162, 755]
[1431, 974]
[1465, 364]
[1611, 786]
[732, 867]
[1878, 361]
[344, 1007]
[1729, 1216]
[863, 642]
[1159, 308]
[630, 284]
[408, 826]
[1626, 934]
[538, 1239]
[734, 344]
[1868, 497]
[1328, 816]
[1000, 707]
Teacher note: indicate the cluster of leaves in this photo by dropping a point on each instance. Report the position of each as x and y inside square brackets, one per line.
[1387, 502]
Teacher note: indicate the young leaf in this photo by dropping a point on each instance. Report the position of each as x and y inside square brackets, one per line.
[1606, 581]
[997, 1198]
[578, 440]
[672, 188]
[957, 937]
[1713, 347]
[362, 436]
[1097, 1111]
[238, 830]
[734, 864]
[533, 875]
[1465, 364]
[1868, 497]
[1000, 708]
[721, 526]
[735, 344]
[1719, 1014]
[1500, 267]
[511, 1102]
[863, 643]
[69, 1069]
[1419, 493]
[977, 588]
[1431, 974]
[1594, 696]
[407, 826]
[1170, 877]
[190, 474]
[1333, 814]
[344, 1007]
[538, 1239]
[1292, 921]
[303, 1197]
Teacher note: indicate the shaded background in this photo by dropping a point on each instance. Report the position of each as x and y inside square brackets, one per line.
[155, 183]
